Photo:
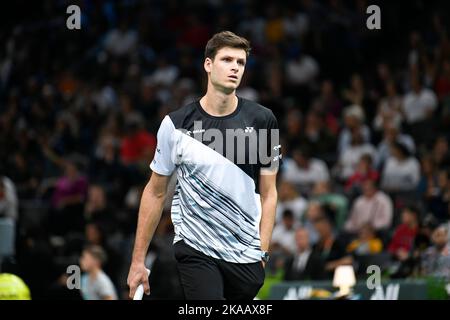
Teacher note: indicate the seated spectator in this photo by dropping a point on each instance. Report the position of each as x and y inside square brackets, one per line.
[373, 207]
[9, 213]
[95, 234]
[312, 213]
[95, 284]
[367, 242]
[429, 175]
[441, 152]
[138, 146]
[419, 105]
[389, 109]
[323, 194]
[404, 235]
[67, 200]
[436, 259]
[354, 122]
[318, 138]
[329, 247]
[401, 172]
[329, 103]
[283, 235]
[392, 134]
[363, 171]
[304, 264]
[288, 198]
[349, 158]
[304, 171]
[437, 196]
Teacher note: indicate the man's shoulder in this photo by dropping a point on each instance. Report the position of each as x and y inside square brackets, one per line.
[254, 109]
[182, 114]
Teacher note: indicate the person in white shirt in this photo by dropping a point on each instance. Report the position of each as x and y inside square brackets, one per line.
[349, 158]
[304, 171]
[401, 171]
[290, 199]
[373, 207]
[283, 236]
[354, 122]
[391, 134]
[419, 103]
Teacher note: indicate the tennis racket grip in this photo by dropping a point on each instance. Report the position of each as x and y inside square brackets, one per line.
[140, 289]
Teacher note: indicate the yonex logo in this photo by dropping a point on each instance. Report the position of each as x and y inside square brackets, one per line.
[248, 129]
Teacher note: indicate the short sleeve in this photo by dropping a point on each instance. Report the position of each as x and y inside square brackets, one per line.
[270, 161]
[163, 162]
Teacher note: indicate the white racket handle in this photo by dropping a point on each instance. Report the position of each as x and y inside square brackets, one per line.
[140, 289]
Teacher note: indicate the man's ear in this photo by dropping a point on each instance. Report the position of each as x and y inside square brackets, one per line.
[207, 64]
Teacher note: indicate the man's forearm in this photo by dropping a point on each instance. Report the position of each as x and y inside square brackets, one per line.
[149, 215]
[269, 205]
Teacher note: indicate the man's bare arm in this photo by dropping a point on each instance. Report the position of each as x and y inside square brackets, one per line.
[268, 192]
[151, 207]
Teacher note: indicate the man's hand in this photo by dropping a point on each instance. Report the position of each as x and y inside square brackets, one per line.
[138, 275]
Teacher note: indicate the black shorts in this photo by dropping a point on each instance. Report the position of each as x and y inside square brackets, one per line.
[206, 278]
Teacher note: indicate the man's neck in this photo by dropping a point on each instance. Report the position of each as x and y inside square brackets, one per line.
[94, 273]
[219, 104]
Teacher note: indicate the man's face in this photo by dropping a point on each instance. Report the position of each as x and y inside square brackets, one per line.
[302, 239]
[226, 69]
[87, 261]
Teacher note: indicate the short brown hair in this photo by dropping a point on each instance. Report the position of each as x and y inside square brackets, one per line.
[97, 252]
[226, 39]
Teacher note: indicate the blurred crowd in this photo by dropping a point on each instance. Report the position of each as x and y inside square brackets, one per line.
[364, 117]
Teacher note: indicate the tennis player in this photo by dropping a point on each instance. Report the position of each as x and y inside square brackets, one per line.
[225, 152]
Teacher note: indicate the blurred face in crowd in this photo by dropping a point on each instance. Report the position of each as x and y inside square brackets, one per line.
[226, 69]
[366, 232]
[409, 218]
[300, 158]
[93, 234]
[314, 211]
[323, 226]
[440, 237]
[368, 187]
[88, 262]
[302, 239]
[287, 191]
[288, 221]
[327, 88]
[97, 196]
[321, 187]
[71, 170]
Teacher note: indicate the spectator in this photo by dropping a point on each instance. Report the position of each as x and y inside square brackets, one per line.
[304, 171]
[350, 157]
[138, 146]
[288, 198]
[389, 109]
[404, 235]
[367, 242]
[8, 217]
[419, 105]
[329, 247]
[373, 207]
[318, 138]
[323, 194]
[391, 135]
[304, 264]
[67, 199]
[436, 259]
[95, 284]
[354, 122]
[401, 172]
[283, 235]
[363, 171]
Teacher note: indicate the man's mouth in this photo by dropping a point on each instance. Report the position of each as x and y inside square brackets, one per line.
[233, 77]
